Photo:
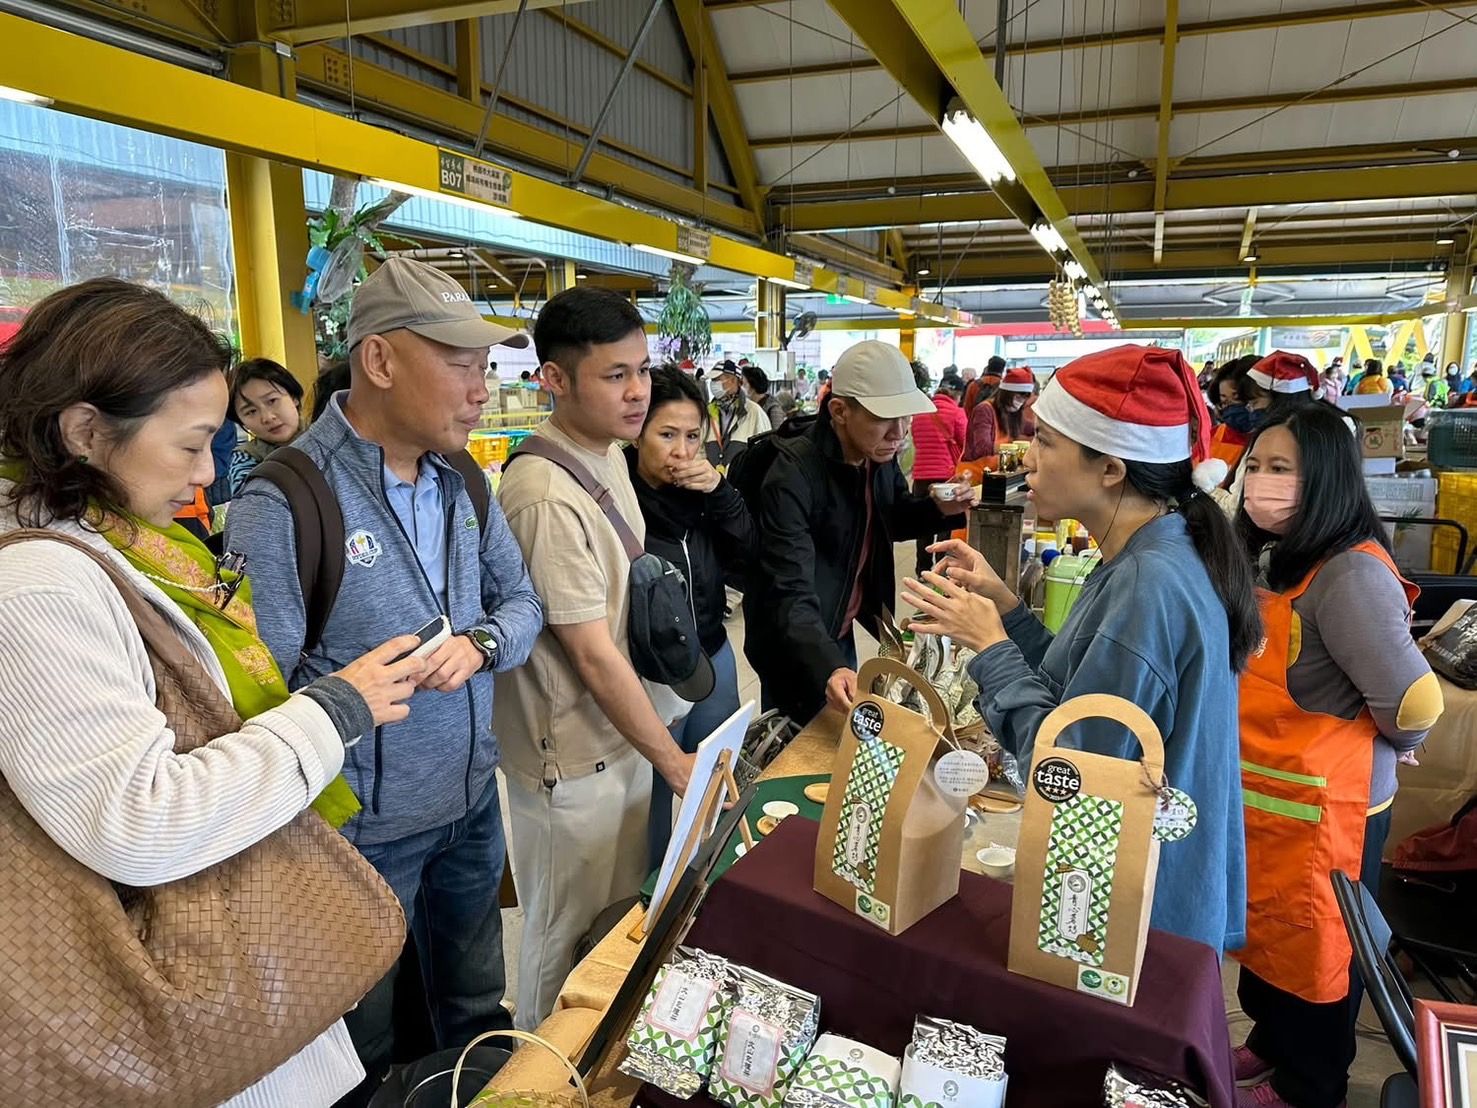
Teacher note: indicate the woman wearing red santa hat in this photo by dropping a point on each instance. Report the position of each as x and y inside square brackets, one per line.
[1167, 621]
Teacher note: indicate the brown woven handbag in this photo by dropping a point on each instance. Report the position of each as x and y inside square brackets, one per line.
[186, 993]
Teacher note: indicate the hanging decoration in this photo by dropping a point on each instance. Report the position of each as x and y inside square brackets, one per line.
[684, 331]
[1062, 307]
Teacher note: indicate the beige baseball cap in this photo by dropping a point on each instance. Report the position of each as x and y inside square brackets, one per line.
[879, 378]
[404, 293]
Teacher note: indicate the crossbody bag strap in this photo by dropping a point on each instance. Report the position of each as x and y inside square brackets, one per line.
[541, 447]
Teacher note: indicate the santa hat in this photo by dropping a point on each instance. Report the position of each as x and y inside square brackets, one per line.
[1138, 403]
[1019, 379]
[1282, 372]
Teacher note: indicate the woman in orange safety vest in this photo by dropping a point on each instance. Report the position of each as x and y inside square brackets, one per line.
[1337, 692]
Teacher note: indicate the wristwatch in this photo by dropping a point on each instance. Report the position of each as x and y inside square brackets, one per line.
[486, 645]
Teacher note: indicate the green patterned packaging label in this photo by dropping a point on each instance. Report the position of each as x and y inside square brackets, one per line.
[672, 1042]
[842, 1073]
[753, 1070]
[1080, 856]
[1109, 986]
[874, 772]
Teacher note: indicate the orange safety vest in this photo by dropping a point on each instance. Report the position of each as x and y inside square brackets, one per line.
[199, 510]
[1228, 445]
[1305, 780]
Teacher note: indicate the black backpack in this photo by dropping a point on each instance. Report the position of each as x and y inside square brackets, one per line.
[746, 472]
[318, 525]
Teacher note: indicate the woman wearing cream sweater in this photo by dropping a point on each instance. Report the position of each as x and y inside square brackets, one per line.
[109, 398]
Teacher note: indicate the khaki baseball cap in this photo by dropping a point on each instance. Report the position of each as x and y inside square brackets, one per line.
[879, 378]
[404, 293]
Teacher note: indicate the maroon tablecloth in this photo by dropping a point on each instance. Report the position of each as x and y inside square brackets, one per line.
[764, 914]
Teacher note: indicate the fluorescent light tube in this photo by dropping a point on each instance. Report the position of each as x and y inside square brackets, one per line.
[449, 197]
[1048, 237]
[975, 143]
[20, 96]
[675, 255]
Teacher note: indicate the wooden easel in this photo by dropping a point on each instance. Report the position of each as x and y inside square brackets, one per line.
[722, 788]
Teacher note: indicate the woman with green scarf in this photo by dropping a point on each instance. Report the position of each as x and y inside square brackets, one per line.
[109, 398]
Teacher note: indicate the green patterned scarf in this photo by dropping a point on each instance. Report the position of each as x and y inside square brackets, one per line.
[180, 564]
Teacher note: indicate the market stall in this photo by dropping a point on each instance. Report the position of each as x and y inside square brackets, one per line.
[763, 915]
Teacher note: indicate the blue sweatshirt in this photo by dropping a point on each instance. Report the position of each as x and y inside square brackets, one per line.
[425, 771]
[1150, 628]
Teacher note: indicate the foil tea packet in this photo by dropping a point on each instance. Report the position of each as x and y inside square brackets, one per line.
[843, 1073]
[1128, 1087]
[674, 1039]
[769, 1032]
[952, 1065]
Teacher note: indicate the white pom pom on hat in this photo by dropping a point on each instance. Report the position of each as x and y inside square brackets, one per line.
[1209, 474]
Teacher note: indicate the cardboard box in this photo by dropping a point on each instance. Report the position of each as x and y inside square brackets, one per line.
[1406, 498]
[1382, 431]
[890, 838]
[1087, 857]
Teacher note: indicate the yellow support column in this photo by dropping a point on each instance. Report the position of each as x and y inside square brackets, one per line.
[269, 234]
[1454, 334]
[907, 343]
[561, 275]
[769, 319]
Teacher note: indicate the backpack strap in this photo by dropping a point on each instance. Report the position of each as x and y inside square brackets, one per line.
[476, 481]
[318, 527]
[540, 447]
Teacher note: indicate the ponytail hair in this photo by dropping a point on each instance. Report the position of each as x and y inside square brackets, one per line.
[1215, 541]
[1223, 555]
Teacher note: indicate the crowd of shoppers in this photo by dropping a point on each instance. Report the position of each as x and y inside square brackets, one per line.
[1283, 621]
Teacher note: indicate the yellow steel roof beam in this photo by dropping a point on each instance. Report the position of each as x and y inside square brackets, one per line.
[1326, 256]
[406, 98]
[929, 49]
[1314, 186]
[1166, 112]
[105, 82]
[304, 21]
[708, 65]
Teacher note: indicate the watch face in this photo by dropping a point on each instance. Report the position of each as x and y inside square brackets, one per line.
[484, 642]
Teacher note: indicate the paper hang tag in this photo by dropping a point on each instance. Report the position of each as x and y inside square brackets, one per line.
[1174, 815]
[961, 773]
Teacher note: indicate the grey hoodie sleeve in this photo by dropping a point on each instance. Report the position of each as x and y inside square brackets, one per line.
[514, 613]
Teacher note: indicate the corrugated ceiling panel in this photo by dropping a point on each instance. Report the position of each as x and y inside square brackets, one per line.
[718, 170]
[570, 77]
[619, 20]
[398, 64]
[435, 40]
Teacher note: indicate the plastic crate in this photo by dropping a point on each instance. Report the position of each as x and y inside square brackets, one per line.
[1456, 499]
[1451, 439]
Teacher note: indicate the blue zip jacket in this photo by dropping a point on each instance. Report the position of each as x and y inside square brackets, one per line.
[1150, 628]
[428, 770]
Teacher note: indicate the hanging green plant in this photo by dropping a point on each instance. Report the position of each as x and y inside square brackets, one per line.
[683, 329]
[344, 239]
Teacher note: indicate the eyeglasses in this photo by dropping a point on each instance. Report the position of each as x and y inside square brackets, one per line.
[234, 565]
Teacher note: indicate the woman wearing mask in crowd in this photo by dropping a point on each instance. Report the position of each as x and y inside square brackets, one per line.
[1374, 379]
[697, 521]
[1003, 418]
[1239, 413]
[1337, 692]
[1225, 391]
[268, 402]
[1277, 384]
[1166, 622]
[938, 444]
[109, 397]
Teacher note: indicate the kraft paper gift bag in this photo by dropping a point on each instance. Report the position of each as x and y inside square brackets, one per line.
[1088, 856]
[893, 829]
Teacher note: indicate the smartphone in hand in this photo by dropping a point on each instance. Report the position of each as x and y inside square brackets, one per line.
[431, 636]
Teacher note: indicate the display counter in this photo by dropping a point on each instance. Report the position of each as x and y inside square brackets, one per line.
[952, 964]
[764, 915]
